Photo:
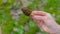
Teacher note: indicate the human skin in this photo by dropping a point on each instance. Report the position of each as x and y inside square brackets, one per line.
[46, 22]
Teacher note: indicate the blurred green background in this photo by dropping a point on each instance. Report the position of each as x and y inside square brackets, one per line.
[13, 21]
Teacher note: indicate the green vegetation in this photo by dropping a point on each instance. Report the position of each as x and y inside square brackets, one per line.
[12, 26]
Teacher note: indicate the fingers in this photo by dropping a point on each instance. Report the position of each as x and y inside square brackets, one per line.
[47, 19]
[38, 19]
[41, 13]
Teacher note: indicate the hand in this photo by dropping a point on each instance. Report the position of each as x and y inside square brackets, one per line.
[45, 21]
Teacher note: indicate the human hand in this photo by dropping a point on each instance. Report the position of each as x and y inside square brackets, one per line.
[45, 21]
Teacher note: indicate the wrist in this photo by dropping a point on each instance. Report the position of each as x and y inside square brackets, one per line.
[56, 30]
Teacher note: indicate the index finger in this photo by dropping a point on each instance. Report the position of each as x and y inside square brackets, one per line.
[41, 13]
